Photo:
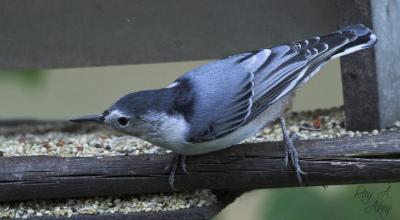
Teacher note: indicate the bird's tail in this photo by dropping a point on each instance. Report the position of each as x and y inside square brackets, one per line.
[360, 37]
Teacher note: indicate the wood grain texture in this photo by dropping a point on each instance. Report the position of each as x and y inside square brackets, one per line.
[359, 79]
[75, 33]
[385, 18]
[371, 78]
[248, 166]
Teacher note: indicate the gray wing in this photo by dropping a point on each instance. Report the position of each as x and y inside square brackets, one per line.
[222, 95]
[235, 90]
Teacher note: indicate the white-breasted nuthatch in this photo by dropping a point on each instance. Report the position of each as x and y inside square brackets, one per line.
[226, 101]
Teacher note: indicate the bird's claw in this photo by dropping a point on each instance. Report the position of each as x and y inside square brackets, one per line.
[171, 168]
[290, 150]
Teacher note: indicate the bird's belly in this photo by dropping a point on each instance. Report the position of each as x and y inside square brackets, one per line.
[251, 128]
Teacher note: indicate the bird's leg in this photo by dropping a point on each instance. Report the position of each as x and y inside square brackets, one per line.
[290, 150]
[168, 167]
[171, 168]
[183, 163]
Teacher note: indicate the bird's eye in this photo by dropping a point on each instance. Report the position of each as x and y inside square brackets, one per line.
[123, 121]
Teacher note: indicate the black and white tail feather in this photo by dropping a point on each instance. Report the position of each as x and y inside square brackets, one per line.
[279, 70]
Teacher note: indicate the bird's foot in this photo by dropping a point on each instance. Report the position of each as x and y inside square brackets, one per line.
[290, 150]
[171, 168]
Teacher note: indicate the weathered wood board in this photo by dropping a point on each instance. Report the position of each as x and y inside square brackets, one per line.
[247, 166]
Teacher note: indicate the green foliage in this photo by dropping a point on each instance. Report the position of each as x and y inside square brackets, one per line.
[31, 78]
[367, 202]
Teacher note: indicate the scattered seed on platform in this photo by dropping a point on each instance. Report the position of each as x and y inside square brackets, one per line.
[98, 205]
[95, 141]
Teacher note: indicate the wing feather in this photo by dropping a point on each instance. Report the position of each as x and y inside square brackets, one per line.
[227, 114]
[233, 91]
[289, 66]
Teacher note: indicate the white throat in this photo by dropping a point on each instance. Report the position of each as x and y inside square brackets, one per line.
[167, 131]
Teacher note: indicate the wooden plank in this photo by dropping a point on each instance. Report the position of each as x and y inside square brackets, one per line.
[386, 17]
[75, 33]
[248, 166]
[371, 79]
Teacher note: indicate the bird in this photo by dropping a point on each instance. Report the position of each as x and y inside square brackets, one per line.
[223, 102]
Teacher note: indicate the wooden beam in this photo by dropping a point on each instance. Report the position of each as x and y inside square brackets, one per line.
[248, 166]
[75, 33]
[371, 78]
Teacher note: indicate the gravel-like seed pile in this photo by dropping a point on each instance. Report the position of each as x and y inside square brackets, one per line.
[318, 124]
[99, 142]
[103, 205]
[93, 141]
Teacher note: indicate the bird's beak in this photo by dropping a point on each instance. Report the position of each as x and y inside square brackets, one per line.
[99, 119]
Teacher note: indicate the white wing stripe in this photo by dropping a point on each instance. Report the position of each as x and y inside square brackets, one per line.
[257, 60]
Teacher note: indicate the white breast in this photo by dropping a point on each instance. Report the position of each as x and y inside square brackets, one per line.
[167, 131]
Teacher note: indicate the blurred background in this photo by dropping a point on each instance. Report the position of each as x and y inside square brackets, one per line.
[64, 93]
[67, 93]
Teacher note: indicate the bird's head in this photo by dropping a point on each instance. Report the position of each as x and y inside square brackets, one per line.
[131, 114]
